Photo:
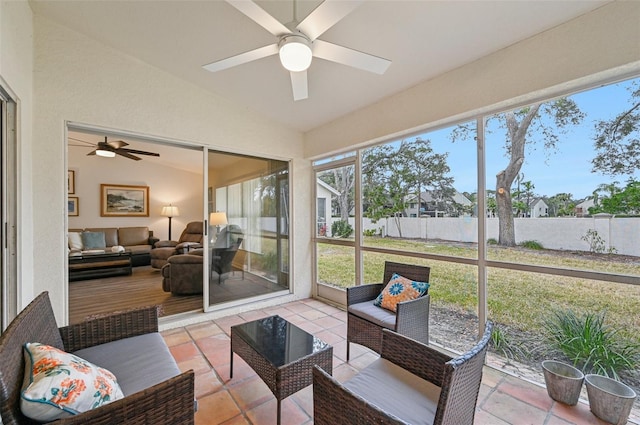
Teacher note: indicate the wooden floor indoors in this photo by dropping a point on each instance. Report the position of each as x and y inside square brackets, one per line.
[144, 287]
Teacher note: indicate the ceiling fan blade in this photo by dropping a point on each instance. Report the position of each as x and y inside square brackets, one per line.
[137, 152]
[92, 152]
[260, 16]
[252, 55]
[117, 144]
[299, 85]
[333, 52]
[127, 155]
[326, 15]
[83, 141]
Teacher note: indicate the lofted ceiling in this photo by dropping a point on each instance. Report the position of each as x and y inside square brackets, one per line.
[423, 39]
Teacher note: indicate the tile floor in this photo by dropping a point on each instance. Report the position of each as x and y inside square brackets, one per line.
[245, 399]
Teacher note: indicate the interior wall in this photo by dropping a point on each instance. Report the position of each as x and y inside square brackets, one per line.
[166, 186]
[81, 80]
[568, 57]
[16, 72]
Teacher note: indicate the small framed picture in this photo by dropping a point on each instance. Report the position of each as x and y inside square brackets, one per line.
[73, 208]
[71, 182]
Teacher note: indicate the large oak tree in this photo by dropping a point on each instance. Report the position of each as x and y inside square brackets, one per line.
[541, 123]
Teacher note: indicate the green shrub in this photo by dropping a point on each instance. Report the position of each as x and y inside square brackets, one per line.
[590, 344]
[369, 232]
[492, 241]
[502, 343]
[532, 245]
[341, 229]
[596, 243]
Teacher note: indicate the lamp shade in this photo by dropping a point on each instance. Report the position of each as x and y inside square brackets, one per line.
[170, 211]
[217, 218]
[295, 52]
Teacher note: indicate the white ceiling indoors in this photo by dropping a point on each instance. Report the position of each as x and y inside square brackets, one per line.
[422, 39]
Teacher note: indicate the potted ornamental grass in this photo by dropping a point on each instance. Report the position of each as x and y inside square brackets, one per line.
[597, 350]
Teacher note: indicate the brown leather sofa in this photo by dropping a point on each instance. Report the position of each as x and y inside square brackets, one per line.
[138, 240]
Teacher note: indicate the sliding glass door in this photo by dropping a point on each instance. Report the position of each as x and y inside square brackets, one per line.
[248, 217]
[8, 209]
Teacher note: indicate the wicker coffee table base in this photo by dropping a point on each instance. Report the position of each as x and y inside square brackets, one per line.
[284, 380]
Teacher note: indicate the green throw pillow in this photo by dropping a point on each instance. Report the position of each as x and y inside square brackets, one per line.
[93, 240]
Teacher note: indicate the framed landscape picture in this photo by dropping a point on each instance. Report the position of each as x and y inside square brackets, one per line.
[73, 209]
[124, 201]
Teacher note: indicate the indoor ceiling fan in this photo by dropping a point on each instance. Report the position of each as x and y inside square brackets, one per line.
[298, 42]
[112, 148]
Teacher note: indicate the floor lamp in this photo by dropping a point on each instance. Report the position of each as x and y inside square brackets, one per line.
[170, 211]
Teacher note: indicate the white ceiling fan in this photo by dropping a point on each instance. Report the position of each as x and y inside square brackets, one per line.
[299, 43]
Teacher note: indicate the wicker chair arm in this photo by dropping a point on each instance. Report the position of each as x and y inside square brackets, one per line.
[412, 318]
[334, 404]
[417, 358]
[110, 327]
[362, 293]
[170, 402]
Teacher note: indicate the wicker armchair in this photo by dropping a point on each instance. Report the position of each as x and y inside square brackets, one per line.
[168, 402]
[366, 321]
[411, 383]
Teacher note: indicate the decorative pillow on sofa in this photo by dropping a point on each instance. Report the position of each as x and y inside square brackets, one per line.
[93, 240]
[75, 241]
[59, 384]
[400, 289]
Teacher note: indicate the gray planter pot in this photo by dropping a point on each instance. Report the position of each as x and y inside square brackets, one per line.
[563, 381]
[610, 400]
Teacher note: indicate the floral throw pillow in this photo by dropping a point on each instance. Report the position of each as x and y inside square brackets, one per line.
[59, 384]
[400, 289]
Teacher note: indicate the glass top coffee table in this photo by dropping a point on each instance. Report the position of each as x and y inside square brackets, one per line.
[282, 354]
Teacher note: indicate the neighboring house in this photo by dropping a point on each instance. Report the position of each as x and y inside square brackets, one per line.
[429, 205]
[582, 209]
[538, 208]
[324, 194]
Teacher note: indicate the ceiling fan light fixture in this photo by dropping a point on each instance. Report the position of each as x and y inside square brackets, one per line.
[105, 153]
[295, 52]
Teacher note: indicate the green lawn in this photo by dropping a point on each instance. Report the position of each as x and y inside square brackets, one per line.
[519, 299]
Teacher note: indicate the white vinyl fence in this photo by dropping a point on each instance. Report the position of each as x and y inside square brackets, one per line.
[566, 233]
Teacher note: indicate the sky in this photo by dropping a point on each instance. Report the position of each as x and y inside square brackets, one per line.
[567, 170]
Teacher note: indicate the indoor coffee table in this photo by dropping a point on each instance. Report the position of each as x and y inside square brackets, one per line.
[92, 265]
[282, 354]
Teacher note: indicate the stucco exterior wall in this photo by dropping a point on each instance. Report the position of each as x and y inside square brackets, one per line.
[80, 80]
[599, 45]
[16, 70]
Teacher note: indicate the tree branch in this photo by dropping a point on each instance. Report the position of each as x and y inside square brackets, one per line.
[619, 120]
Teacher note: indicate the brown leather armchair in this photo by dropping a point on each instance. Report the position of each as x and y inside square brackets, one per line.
[182, 275]
[190, 238]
